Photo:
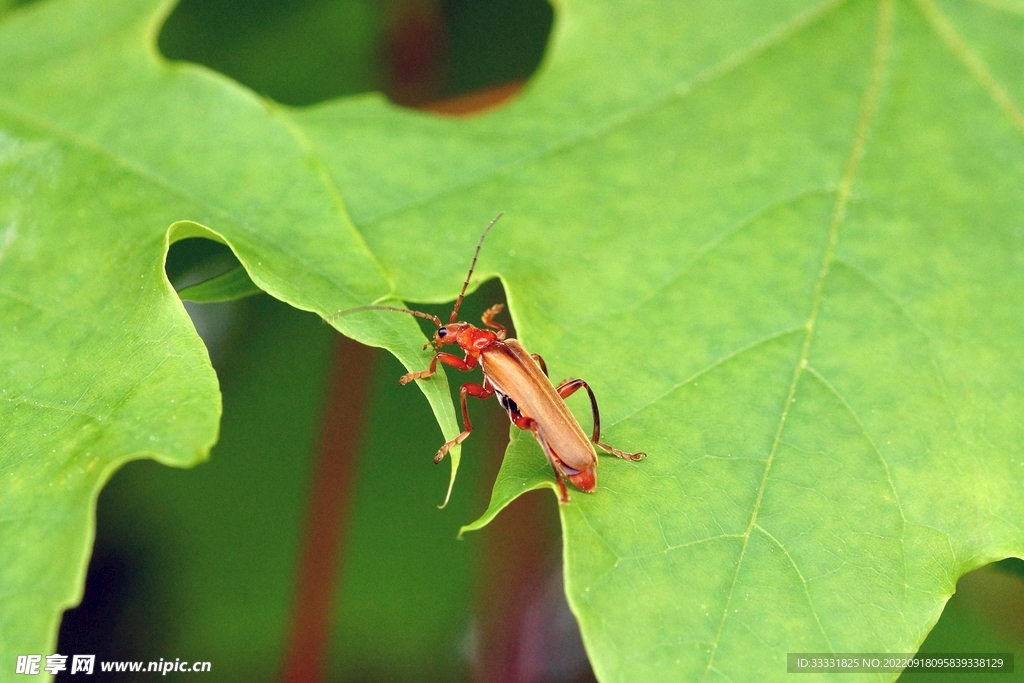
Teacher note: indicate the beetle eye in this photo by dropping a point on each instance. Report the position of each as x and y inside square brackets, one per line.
[442, 333]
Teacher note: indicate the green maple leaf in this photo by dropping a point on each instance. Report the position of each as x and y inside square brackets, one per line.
[783, 245]
[108, 154]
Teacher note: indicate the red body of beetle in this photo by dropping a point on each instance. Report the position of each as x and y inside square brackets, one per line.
[520, 381]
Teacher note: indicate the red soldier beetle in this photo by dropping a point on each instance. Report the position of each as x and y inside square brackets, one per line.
[520, 381]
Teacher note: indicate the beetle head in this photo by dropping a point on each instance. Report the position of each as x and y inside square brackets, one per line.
[471, 339]
[447, 334]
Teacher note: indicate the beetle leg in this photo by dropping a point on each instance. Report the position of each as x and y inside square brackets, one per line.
[488, 318]
[567, 389]
[526, 422]
[520, 420]
[476, 391]
[540, 362]
[563, 492]
[448, 359]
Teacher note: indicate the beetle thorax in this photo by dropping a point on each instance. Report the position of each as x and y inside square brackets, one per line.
[474, 340]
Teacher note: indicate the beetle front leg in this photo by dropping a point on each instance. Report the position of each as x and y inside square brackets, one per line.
[567, 389]
[448, 359]
[476, 391]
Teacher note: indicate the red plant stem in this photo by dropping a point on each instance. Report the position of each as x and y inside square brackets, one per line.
[518, 541]
[518, 549]
[327, 513]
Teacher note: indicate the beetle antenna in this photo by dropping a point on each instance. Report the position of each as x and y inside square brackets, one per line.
[458, 302]
[419, 314]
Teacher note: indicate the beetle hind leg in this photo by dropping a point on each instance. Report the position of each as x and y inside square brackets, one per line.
[620, 454]
[563, 491]
[528, 423]
[567, 389]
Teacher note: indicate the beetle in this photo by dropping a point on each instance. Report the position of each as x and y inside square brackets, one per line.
[520, 381]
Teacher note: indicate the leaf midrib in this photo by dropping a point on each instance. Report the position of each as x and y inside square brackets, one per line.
[868, 108]
[979, 71]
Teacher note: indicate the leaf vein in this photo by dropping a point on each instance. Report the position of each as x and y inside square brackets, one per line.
[708, 247]
[671, 92]
[888, 472]
[669, 547]
[975, 65]
[878, 62]
[323, 172]
[916, 324]
[709, 367]
[1001, 6]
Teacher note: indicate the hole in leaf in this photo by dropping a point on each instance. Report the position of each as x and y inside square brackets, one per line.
[417, 52]
[11, 5]
[194, 260]
[209, 278]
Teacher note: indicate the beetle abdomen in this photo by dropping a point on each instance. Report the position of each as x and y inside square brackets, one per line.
[585, 480]
[518, 381]
[507, 403]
